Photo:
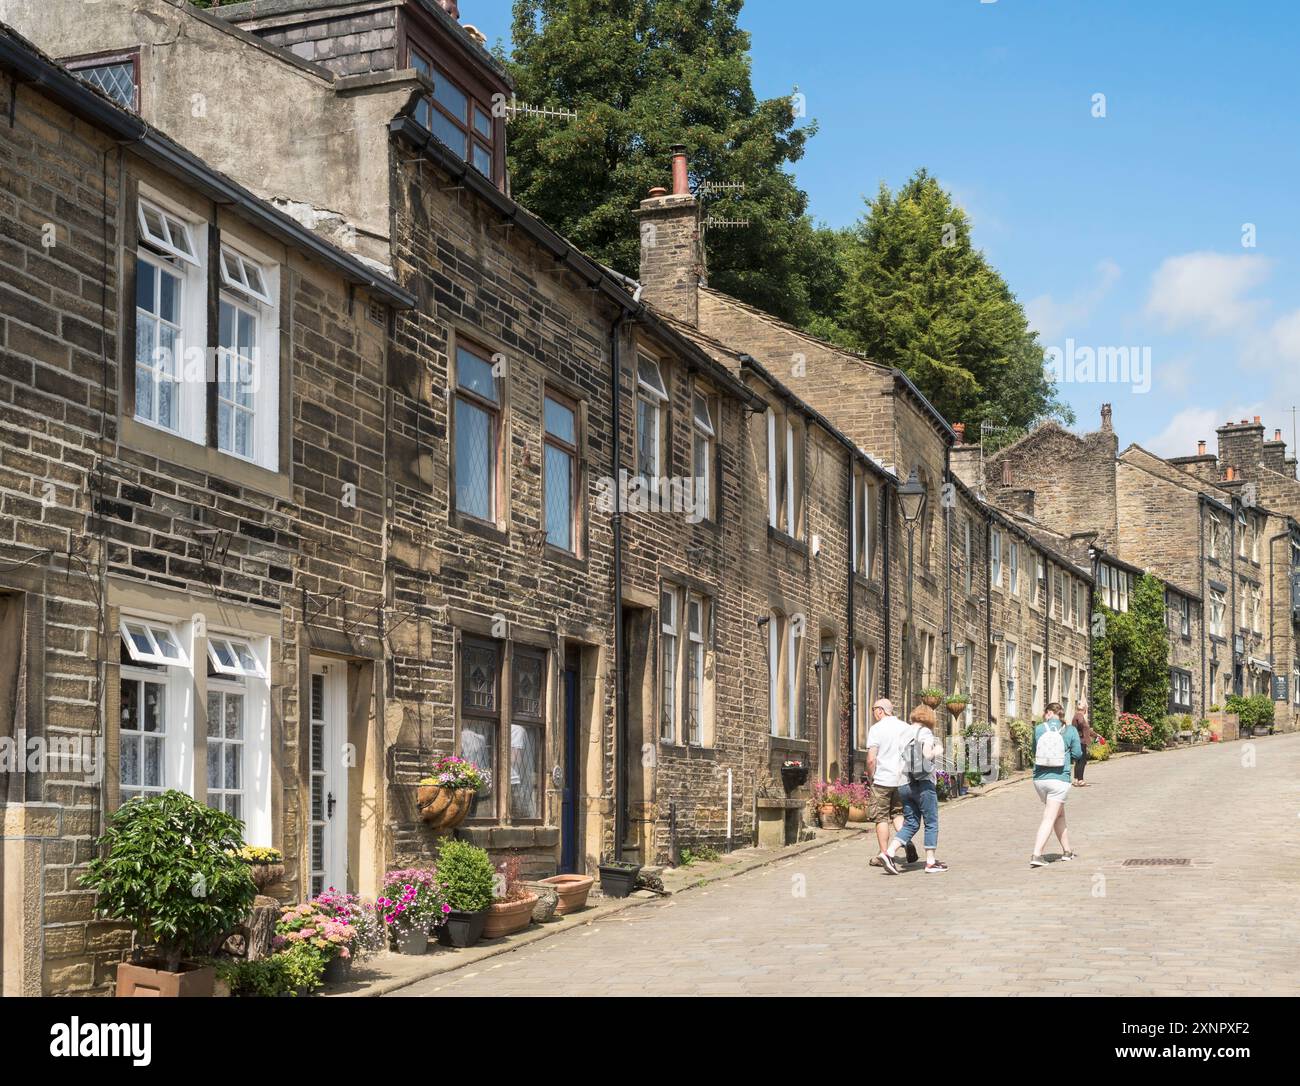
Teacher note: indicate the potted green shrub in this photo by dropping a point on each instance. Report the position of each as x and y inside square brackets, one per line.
[466, 877]
[412, 904]
[618, 877]
[170, 868]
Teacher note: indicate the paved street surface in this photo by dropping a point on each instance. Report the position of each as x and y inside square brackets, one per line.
[826, 923]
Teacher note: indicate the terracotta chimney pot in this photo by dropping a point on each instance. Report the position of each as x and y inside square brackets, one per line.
[658, 191]
[1200, 448]
[681, 178]
[450, 7]
[960, 429]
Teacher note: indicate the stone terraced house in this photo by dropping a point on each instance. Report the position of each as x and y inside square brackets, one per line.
[192, 466]
[631, 546]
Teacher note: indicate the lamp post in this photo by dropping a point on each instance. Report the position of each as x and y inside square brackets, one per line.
[911, 500]
[825, 661]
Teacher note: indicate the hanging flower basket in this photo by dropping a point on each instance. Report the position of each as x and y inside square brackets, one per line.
[443, 808]
[957, 706]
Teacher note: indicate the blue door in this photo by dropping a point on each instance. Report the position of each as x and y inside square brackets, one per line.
[569, 794]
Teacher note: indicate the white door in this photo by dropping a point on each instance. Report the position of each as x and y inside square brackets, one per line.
[328, 814]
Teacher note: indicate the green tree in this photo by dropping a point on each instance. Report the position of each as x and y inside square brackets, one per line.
[920, 297]
[644, 75]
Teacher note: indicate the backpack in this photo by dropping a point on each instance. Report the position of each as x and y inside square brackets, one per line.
[1049, 751]
[912, 754]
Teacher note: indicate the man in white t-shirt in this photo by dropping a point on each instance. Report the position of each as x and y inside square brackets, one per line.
[885, 766]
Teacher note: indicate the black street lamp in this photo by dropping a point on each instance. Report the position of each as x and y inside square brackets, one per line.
[911, 500]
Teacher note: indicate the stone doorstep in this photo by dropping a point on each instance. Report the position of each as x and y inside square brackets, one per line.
[448, 960]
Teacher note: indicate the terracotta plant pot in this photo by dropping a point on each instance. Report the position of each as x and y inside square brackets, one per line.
[507, 917]
[548, 900]
[413, 942]
[462, 929]
[930, 700]
[265, 875]
[572, 890]
[443, 809]
[857, 814]
[143, 980]
[956, 708]
[833, 817]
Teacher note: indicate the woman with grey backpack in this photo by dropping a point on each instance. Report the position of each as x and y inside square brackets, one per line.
[1056, 747]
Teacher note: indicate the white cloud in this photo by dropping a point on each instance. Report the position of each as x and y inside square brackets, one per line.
[1207, 290]
[1050, 318]
[1194, 424]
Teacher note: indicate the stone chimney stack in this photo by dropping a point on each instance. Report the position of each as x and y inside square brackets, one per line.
[967, 461]
[1107, 425]
[1241, 446]
[1275, 454]
[672, 258]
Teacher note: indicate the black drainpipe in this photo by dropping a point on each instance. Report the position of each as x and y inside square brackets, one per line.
[1232, 618]
[988, 621]
[620, 676]
[852, 669]
[1205, 596]
[886, 676]
[1047, 633]
[1272, 628]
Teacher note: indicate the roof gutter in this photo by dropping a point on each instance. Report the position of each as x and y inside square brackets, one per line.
[33, 68]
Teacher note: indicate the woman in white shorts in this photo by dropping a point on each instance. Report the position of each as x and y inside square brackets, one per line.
[1052, 783]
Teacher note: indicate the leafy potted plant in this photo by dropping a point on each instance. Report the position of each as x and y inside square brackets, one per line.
[265, 865]
[171, 869]
[512, 902]
[361, 915]
[571, 890]
[311, 925]
[445, 796]
[832, 801]
[618, 877]
[412, 904]
[1022, 735]
[794, 774]
[957, 702]
[859, 798]
[932, 696]
[943, 785]
[465, 874]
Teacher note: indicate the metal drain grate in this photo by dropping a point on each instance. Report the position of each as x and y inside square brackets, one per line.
[1165, 862]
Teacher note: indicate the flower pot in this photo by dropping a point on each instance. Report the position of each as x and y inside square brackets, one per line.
[572, 891]
[144, 980]
[507, 917]
[857, 814]
[337, 970]
[833, 817]
[548, 900]
[618, 879]
[956, 708]
[1261, 729]
[265, 875]
[930, 700]
[413, 942]
[462, 929]
[443, 809]
[793, 777]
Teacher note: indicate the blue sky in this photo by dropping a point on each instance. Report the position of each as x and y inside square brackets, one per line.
[1122, 230]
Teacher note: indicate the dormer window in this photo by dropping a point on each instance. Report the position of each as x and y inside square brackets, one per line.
[460, 121]
[118, 76]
